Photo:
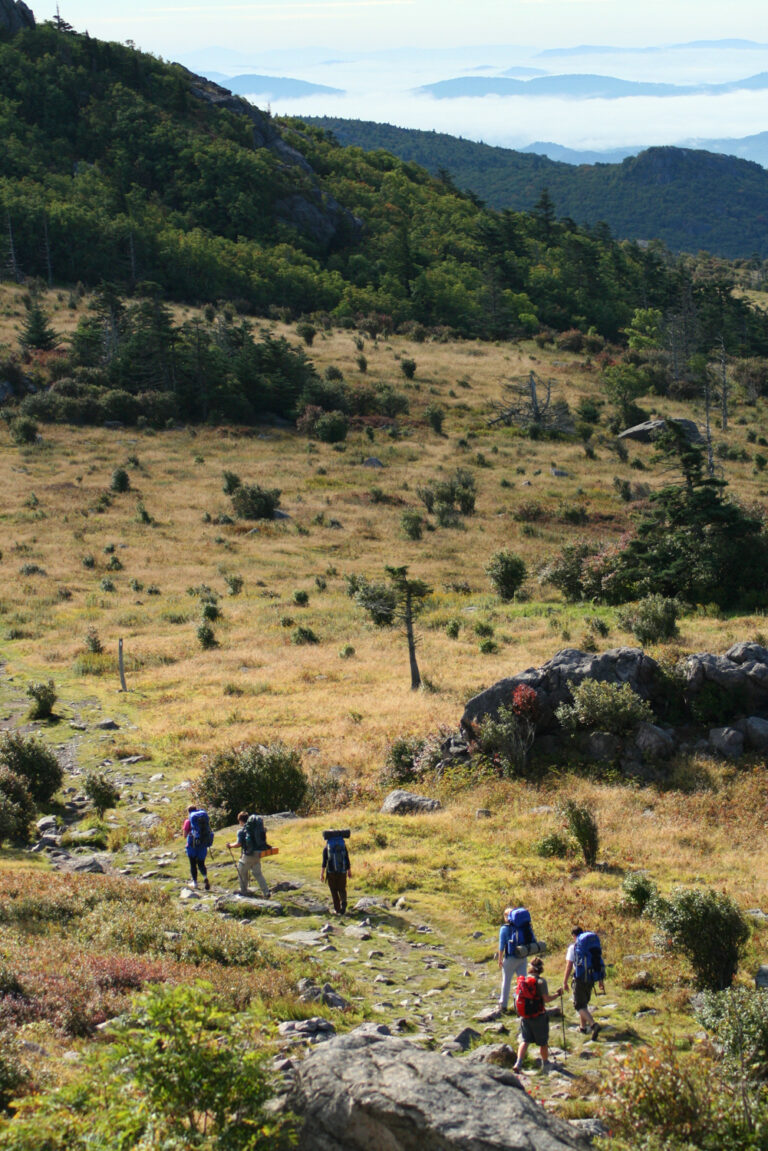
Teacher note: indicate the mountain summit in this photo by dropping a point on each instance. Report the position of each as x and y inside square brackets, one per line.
[15, 16]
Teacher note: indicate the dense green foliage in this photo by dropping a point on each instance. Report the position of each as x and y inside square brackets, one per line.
[116, 169]
[690, 200]
[709, 929]
[32, 761]
[252, 778]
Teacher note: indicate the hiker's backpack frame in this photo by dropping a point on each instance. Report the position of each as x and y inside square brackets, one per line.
[588, 965]
[520, 931]
[200, 829]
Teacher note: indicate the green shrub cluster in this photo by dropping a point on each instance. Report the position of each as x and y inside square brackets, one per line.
[707, 927]
[611, 707]
[652, 619]
[252, 778]
[43, 696]
[30, 760]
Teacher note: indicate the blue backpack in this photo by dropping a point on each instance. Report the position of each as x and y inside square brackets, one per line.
[337, 855]
[201, 832]
[588, 963]
[520, 930]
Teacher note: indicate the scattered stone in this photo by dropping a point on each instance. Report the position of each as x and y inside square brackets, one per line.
[465, 1038]
[286, 885]
[401, 802]
[375, 954]
[641, 981]
[653, 741]
[370, 903]
[761, 978]
[354, 931]
[401, 904]
[84, 865]
[365, 1091]
[589, 1129]
[314, 1030]
[756, 733]
[132, 849]
[372, 462]
[107, 725]
[483, 813]
[385, 980]
[305, 938]
[372, 1028]
[488, 1015]
[47, 823]
[156, 777]
[248, 905]
[500, 1054]
[726, 741]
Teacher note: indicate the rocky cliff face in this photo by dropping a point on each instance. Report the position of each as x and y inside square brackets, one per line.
[314, 214]
[15, 16]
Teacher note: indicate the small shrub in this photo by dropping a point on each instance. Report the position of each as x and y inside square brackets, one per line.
[307, 333]
[709, 929]
[231, 483]
[34, 763]
[234, 584]
[552, 846]
[43, 696]
[638, 889]
[92, 642]
[611, 707]
[23, 430]
[206, 636]
[506, 572]
[483, 629]
[304, 635]
[253, 778]
[114, 564]
[321, 583]
[347, 651]
[408, 368]
[107, 584]
[738, 1020]
[301, 598]
[17, 807]
[653, 619]
[435, 416]
[362, 363]
[331, 427]
[452, 628]
[583, 827]
[412, 524]
[89, 561]
[210, 611]
[252, 502]
[142, 515]
[121, 481]
[101, 791]
[488, 647]
[506, 738]
[399, 764]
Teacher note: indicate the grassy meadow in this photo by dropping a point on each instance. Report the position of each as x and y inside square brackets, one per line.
[342, 707]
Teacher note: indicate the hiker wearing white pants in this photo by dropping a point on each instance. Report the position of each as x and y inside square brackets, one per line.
[511, 965]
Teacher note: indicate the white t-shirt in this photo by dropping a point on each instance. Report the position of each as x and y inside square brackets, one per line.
[570, 955]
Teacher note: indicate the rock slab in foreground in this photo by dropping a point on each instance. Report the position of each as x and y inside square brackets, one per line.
[407, 803]
[364, 1091]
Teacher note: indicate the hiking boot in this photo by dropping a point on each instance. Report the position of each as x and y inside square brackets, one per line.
[207, 884]
[584, 1030]
[546, 1066]
[193, 884]
[595, 1030]
[517, 1068]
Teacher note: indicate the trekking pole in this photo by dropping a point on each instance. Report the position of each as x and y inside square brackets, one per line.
[231, 856]
[562, 1017]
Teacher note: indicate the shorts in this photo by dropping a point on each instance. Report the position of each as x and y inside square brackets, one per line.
[535, 1030]
[582, 993]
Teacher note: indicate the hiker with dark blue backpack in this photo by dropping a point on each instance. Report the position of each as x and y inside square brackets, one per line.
[516, 942]
[197, 828]
[584, 960]
[336, 868]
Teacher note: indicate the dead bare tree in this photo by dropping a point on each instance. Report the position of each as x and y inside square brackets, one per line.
[528, 403]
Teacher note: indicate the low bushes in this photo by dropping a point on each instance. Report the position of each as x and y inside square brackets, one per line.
[32, 761]
[252, 778]
[611, 707]
[709, 929]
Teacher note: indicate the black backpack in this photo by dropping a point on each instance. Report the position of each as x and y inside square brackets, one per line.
[337, 855]
[255, 838]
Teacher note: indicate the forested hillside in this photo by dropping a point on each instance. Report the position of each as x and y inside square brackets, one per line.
[120, 168]
[690, 200]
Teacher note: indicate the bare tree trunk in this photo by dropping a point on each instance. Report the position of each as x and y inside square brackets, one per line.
[723, 387]
[47, 250]
[12, 251]
[408, 618]
[707, 398]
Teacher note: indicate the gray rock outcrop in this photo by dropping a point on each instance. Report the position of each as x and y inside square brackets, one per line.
[648, 431]
[552, 681]
[364, 1091]
[15, 16]
[401, 802]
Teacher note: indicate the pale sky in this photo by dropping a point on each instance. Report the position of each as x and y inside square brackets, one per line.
[171, 27]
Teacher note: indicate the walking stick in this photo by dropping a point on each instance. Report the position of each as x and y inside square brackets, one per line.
[562, 1017]
[231, 856]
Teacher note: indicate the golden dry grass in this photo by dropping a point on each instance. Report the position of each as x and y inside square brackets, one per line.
[256, 684]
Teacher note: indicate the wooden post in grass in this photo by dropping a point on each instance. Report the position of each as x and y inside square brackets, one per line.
[120, 665]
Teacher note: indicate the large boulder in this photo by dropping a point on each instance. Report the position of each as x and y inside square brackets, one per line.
[742, 672]
[552, 682]
[15, 16]
[364, 1091]
[401, 802]
[650, 430]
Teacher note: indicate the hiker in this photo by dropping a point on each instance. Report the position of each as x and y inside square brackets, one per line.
[531, 996]
[336, 868]
[252, 840]
[584, 958]
[197, 828]
[515, 932]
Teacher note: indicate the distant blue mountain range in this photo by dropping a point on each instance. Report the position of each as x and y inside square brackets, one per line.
[580, 87]
[276, 87]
